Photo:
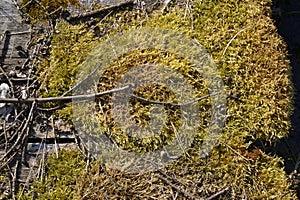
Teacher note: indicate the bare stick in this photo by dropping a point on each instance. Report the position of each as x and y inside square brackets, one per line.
[176, 188]
[88, 159]
[5, 135]
[234, 38]
[178, 139]
[174, 104]
[100, 12]
[56, 147]
[166, 3]
[217, 194]
[19, 33]
[66, 98]
[14, 181]
[9, 16]
[22, 134]
[166, 175]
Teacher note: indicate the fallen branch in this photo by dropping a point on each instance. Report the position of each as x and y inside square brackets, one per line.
[14, 180]
[176, 188]
[65, 98]
[173, 104]
[100, 12]
[170, 177]
[19, 33]
[217, 194]
[92, 96]
[20, 138]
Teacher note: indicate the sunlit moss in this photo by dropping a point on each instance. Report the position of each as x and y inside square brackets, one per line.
[43, 10]
[63, 173]
[251, 57]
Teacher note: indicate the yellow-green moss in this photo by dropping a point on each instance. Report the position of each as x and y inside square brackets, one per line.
[63, 173]
[251, 57]
[4, 182]
[42, 10]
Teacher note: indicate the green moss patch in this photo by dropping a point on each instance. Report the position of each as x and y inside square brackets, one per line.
[63, 173]
[42, 10]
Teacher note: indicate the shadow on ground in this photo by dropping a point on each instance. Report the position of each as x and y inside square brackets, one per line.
[286, 14]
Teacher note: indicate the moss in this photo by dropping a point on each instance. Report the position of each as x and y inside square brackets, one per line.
[4, 184]
[251, 57]
[257, 176]
[43, 10]
[140, 111]
[69, 47]
[62, 176]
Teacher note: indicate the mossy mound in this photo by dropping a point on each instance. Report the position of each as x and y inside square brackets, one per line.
[251, 58]
[43, 10]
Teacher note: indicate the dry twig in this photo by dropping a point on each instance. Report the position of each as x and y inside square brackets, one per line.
[217, 194]
[100, 12]
[187, 194]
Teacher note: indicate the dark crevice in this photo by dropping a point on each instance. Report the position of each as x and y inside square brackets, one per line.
[286, 14]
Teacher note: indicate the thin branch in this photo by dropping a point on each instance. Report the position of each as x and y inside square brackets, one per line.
[14, 180]
[22, 134]
[166, 3]
[56, 146]
[179, 141]
[217, 194]
[173, 104]
[100, 12]
[9, 16]
[66, 98]
[297, 164]
[236, 152]
[19, 33]
[176, 188]
[52, 109]
[234, 38]
[170, 177]
[92, 96]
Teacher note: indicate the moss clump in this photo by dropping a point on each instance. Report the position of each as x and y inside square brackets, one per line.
[249, 174]
[63, 173]
[251, 57]
[69, 47]
[140, 112]
[42, 10]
